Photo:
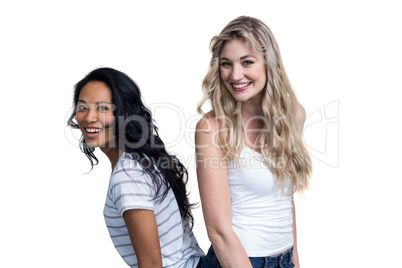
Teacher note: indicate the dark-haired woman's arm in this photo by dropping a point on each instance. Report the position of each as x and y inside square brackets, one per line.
[142, 227]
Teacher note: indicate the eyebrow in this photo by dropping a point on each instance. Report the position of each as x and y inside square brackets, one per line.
[241, 58]
[98, 102]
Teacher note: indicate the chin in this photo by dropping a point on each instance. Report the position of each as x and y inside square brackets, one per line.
[241, 98]
[92, 144]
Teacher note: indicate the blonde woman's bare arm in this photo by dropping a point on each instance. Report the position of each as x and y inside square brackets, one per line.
[295, 257]
[300, 118]
[213, 184]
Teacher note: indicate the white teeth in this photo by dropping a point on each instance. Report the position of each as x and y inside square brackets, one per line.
[92, 130]
[240, 85]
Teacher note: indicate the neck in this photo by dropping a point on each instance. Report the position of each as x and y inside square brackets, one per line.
[112, 154]
[253, 121]
[251, 108]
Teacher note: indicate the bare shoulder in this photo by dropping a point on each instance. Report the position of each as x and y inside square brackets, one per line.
[300, 116]
[207, 123]
[207, 138]
[300, 113]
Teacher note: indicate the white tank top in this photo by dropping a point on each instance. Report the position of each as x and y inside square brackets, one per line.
[261, 214]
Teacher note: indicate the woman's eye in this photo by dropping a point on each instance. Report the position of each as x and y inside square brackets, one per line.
[81, 108]
[248, 62]
[103, 108]
[225, 64]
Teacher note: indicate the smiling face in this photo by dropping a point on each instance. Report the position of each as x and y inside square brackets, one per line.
[242, 72]
[94, 114]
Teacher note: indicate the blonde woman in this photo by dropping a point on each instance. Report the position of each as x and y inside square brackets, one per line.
[250, 154]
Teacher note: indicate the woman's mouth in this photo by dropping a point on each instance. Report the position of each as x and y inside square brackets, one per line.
[92, 132]
[240, 86]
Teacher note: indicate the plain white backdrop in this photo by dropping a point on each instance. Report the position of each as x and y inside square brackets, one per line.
[342, 57]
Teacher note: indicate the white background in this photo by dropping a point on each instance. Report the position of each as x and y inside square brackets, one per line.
[343, 54]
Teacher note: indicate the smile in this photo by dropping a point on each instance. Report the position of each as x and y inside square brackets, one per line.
[92, 130]
[240, 86]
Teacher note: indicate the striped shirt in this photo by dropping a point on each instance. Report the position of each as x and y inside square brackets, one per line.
[131, 188]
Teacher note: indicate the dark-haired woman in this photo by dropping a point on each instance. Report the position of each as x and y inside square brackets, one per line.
[147, 211]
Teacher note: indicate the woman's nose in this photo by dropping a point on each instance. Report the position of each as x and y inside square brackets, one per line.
[237, 73]
[92, 116]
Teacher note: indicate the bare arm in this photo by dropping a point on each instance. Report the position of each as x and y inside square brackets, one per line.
[215, 197]
[300, 118]
[295, 257]
[142, 227]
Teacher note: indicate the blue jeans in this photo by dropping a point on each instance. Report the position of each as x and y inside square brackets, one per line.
[280, 261]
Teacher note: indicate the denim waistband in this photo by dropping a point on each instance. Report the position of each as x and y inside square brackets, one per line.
[282, 260]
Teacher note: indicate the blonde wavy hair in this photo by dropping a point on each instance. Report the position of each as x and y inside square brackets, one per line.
[281, 143]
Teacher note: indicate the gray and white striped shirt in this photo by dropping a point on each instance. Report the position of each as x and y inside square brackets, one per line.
[131, 188]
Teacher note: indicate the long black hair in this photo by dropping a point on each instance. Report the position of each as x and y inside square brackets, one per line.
[137, 135]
